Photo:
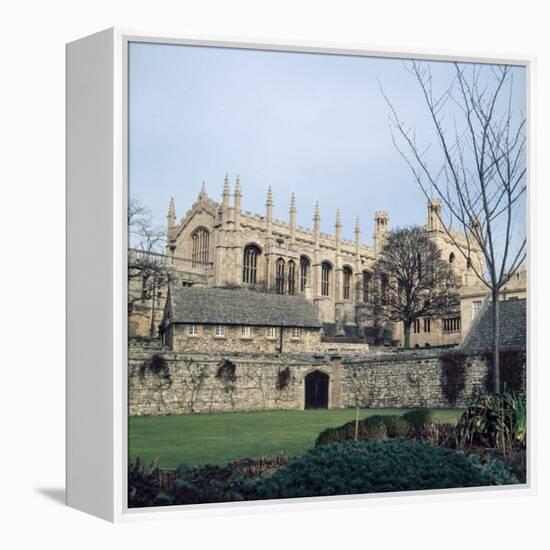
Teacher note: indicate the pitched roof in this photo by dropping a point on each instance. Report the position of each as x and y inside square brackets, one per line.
[240, 307]
[513, 327]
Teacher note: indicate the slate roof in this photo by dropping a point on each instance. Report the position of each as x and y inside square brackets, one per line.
[329, 330]
[240, 307]
[513, 327]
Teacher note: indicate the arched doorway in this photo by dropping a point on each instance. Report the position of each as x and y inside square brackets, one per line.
[316, 388]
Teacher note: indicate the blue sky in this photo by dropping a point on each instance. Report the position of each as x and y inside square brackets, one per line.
[313, 124]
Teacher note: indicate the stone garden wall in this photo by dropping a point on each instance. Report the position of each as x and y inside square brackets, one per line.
[178, 383]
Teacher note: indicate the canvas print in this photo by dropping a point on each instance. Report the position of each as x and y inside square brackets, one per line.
[327, 275]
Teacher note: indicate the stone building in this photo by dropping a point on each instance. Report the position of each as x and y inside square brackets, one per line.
[200, 320]
[218, 244]
[475, 296]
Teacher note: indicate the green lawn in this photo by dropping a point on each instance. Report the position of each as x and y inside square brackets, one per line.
[222, 437]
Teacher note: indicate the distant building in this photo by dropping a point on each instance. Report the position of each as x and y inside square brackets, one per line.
[474, 296]
[218, 245]
[513, 327]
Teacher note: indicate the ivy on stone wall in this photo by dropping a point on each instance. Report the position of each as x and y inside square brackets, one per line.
[157, 366]
[227, 374]
[283, 378]
[512, 370]
[453, 375]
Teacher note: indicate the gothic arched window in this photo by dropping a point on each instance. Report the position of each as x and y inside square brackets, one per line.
[347, 283]
[366, 286]
[250, 264]
[304, 273]
[326, 274]
[200, 239]
[291, 277]
[469, 263]
[280, 276]
[451, 257]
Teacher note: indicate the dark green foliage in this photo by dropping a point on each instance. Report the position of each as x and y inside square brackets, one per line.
[283, 378]
[396, 426]
[453, 374]
[143, 484]
[418, 418]
[157, 366]
[150, 486]
[379, 467]
[373, 427]
[435, 433]
[512, 371]
[494, 421]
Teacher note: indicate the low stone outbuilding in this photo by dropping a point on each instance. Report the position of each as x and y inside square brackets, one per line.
[236, 320]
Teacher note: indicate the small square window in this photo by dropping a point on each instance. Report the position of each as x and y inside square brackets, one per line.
[271, 332]
[246, 332]
[296, 333]
[220, 331]
[193, 330]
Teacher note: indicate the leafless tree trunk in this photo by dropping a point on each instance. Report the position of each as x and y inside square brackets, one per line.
[480, 170]
[412, 281]
[145, 263]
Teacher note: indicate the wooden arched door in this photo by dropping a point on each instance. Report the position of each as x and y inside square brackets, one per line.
[316, 388]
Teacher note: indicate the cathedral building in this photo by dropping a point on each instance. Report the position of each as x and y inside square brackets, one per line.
[218, 244]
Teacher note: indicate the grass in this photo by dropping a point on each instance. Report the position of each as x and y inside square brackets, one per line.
[222, 437]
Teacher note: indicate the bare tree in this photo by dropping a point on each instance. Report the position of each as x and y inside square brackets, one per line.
[478, 170]
[411, 280]
[146, 267]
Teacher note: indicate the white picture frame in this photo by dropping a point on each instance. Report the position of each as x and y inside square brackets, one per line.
[97, 191]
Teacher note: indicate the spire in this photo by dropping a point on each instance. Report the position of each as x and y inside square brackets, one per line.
[338, 220]
[202, 193]
[237, 198]
[358, 241]
[292, 216]
[238, 187]
[269, 201]
[225, 194]
[172, 208]
[171, 218]
[317, 213]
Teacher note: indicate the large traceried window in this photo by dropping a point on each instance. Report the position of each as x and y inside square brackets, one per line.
[201, 243]
[348, 274]
[304, 273]
[291, 277]
[280, 276]
[326, 275]
[366, 286]
[250, 264]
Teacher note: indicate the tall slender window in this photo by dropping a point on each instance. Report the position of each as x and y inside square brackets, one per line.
[200, 240]
[280, 276]
[384, 288]
[326, 274]
[366, 286]
[419, 265]
[451, 257]
[347, 283]
[291, 277]
[304, 273]
[250, 264]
